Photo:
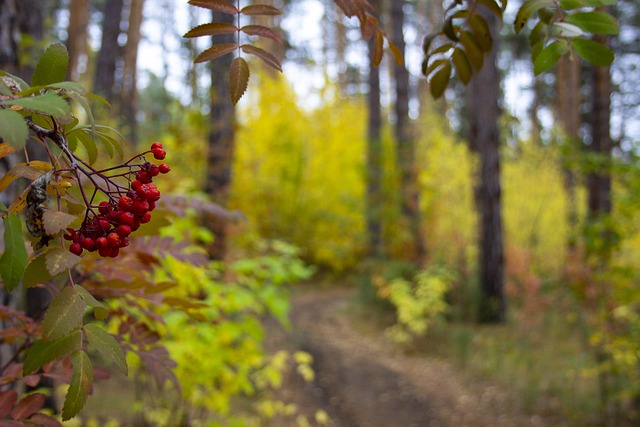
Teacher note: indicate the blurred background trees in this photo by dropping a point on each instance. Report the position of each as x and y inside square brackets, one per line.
[527, 189]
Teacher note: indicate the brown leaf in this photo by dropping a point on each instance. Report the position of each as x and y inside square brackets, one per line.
[262, 31]
[397, 54]
[6, 149]
[216, 51]
[238, 79]
[260, 9]
[31, 380]
[43, 420]
[268, 58]
[211, 29]
[28, 406]
[219, 5]
[349, 7]
[378, 42]
[7, 399]
[55, 221]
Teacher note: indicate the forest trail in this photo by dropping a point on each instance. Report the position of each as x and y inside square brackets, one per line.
[361, 380]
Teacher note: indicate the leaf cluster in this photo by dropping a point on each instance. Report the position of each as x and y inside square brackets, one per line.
[562, 27]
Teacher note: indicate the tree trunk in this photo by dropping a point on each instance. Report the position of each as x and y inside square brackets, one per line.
[105, 77]
[128, 88]
[484, 138]
[569, 99]
[374, 156]
[77, 40]
[409, 192]
[9, 36]
[221, 139]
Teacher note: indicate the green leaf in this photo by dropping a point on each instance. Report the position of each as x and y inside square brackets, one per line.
[36, 272]
[80, 386]
[593, 52]
[563, 29]
[87, 141]
[69, 87]
[463, 67]
[64, 314]
[43, 352]
[594, 22]
[548, 56]
[14, 83]
[576, 4]
[49, 103]
[107, 346]
[238, 79]
[539, 33]
[13, 129]
[473, 50]
[426, 43]
[100, 311]
[14, 259]
[481, 29]
[440, 79]
[52, 66]
[59, 260]
[527, 9]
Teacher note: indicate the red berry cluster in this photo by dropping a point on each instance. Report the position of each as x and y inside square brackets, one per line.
[108, 230]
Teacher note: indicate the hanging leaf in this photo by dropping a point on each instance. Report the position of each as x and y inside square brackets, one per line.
[397, 54]
[52, 66]
[594, 22]
[493, 6]
[100, 311]
[216, 51]
[56, 221]
[440, 79]
[107, 346]
[593, 52]
[268, 58]
[211, 29]
[13, 129]
[6, 150]
[217, 5]
[548, 56]
[482, 32]
[472, 49]
[261, 31]
[260, 9]
[64, 314]
[576, 4]
[238, 79]
[59, 260]
[378, 43]
[563, 29]
[49, 103]
[463, 67]
[36, 272]
[43, 352]
[527, 9]
[14, 259]
[80, 386]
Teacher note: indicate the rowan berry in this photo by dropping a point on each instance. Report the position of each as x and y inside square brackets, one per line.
[159, 154]
[145, 218]
[104, 251]
[101, 242]
[103, 207]
[154, 170]
[104, 225]
[156, 145]
[75, 249]
[123, 230]
[125, 203]
[135, 185]
[143, 177]
[113, 240]
[127, 218]
[164, 168]
[140, 207]
[88, 243]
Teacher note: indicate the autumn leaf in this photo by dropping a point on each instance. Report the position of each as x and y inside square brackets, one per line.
[238, 79]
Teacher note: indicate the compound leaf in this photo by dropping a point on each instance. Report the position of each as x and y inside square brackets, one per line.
[49, 103]
[268, 58]
[80, 386]
[64, 314]
[238, 79]
[14, 260]
[216, 51]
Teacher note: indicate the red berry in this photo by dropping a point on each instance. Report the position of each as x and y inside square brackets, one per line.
[101, 242]
[140, 207]
[103, 207]
[75, 249]
[127, 218]
[143, 177]
[153, 196]
[71, 235]
[145, 218]
[135, 185]
[159, 154]
[154, 170]
[125, 203]
[113, 240]
[156, 145]
[123, 230]
[104, 225]
[114, 252]
[164, 168]
[104, 251]
[88, 243]
[152, 206]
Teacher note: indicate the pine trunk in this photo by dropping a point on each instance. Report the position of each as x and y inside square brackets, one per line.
[484, 113]
[129, 89]
[77, 40]
[105, 77]
[221, 139]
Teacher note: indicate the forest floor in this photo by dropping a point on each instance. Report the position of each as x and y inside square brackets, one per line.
[363, 380]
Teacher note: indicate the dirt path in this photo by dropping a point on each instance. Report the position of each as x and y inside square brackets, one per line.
[361, 381]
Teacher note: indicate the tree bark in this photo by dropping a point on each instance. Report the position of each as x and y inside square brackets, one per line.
[105, 77]
[221, 139]
[374, 156]
[77, 40]
[128, 88]
[409, 192]
[9, 36]
[484, 112]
